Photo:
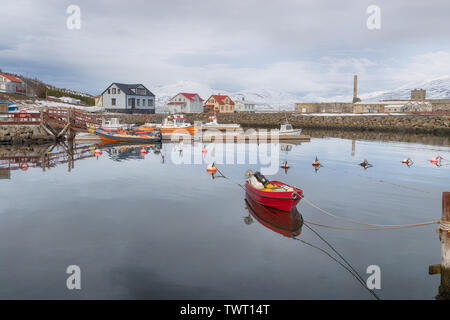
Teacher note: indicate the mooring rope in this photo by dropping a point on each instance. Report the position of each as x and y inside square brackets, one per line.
[350, 268]
[380, 226]
[444, 226]
[377, 226]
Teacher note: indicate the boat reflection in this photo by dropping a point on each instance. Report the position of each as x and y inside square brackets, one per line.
[288, 224]
[129, 151]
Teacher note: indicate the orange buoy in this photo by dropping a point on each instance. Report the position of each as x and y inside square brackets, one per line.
[204, 151]
[97, 152]
[316, 162]
[23, 166]
[143, 151]
[434, 160]
[211, 168]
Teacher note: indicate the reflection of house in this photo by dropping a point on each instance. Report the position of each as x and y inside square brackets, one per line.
[244, 106]
[11, 84]
[128, 98]
[219, 104]
[185, 103]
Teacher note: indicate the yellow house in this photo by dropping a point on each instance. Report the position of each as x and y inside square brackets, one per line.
[219, 104]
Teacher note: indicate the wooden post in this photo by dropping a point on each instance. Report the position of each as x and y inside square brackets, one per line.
[446, 207]
[444, 288]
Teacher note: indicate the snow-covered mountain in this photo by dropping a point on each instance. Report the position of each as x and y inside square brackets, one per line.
[436, 89]
[262, 97]
[267, 98]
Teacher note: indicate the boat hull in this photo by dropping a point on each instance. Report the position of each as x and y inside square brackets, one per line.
[113, 137]
[192, 130]
[284, 201]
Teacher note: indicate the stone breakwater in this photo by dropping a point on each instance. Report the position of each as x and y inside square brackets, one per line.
[20, 134]
[429, 124]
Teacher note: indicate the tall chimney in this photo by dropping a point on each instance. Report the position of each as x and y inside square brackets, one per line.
[355, 89]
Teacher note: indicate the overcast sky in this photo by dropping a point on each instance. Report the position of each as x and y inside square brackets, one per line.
[307, 47]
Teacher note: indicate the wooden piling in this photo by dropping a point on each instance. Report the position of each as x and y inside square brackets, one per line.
[446, 207]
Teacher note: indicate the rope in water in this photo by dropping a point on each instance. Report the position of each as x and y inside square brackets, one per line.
[379, 226]
[350, 269]
[445, 227]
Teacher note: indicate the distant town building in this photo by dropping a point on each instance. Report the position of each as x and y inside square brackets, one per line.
[185, 103]
[128, 98]
[219, 104]
[418, 94]
[324, 107]
[11, 84]
[244, 106]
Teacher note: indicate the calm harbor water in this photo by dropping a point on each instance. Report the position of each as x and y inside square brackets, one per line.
[143, 227]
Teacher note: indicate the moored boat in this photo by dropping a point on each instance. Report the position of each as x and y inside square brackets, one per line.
[127, 136]
[172, 124]
[213, 124]
[274, 194]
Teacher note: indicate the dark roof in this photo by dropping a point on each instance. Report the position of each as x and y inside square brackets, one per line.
[126, 88]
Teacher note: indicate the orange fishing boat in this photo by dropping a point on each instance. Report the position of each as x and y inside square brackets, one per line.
[172, 124]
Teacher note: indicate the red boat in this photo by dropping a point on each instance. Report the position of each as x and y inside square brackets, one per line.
[288, 224]
[283, 201]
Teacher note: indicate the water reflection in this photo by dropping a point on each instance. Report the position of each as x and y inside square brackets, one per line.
[288, 224]
[47, 156]
[125, 151]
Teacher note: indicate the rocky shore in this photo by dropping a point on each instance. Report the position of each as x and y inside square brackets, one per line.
[419, 124]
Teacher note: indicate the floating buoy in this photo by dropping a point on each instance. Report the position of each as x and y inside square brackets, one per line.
[143, 151]
[434, 160]
[97, 152]
[408, 162]
[23, 166]
[204, 151]
[316, 162]
[285, 165]
[211, 168]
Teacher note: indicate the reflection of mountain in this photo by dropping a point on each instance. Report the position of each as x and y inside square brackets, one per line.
[124, 151]
[289, 224]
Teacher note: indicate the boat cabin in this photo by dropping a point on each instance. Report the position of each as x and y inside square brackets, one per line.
[286, 127]
[177, 120]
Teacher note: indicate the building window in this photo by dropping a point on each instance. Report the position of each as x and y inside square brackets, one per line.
[109, 91]
[138, 102]
[114, 91]
[143, 102]
[129, 101]
[118, 91]
[113, 101]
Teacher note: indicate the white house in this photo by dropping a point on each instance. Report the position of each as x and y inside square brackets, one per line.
[128, 98]
[185, 103]
[11, 84]
[244, 106]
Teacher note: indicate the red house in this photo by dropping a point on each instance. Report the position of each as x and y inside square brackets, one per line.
[11, 84]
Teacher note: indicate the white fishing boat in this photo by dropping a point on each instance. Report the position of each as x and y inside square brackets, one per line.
[286, 129]
[113, 124]
[213, 124]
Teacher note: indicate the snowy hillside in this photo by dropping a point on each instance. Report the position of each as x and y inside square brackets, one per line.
[266, 98]
[436, 89]
[263, 98]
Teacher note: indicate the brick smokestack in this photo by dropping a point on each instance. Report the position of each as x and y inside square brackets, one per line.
[355, 89]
